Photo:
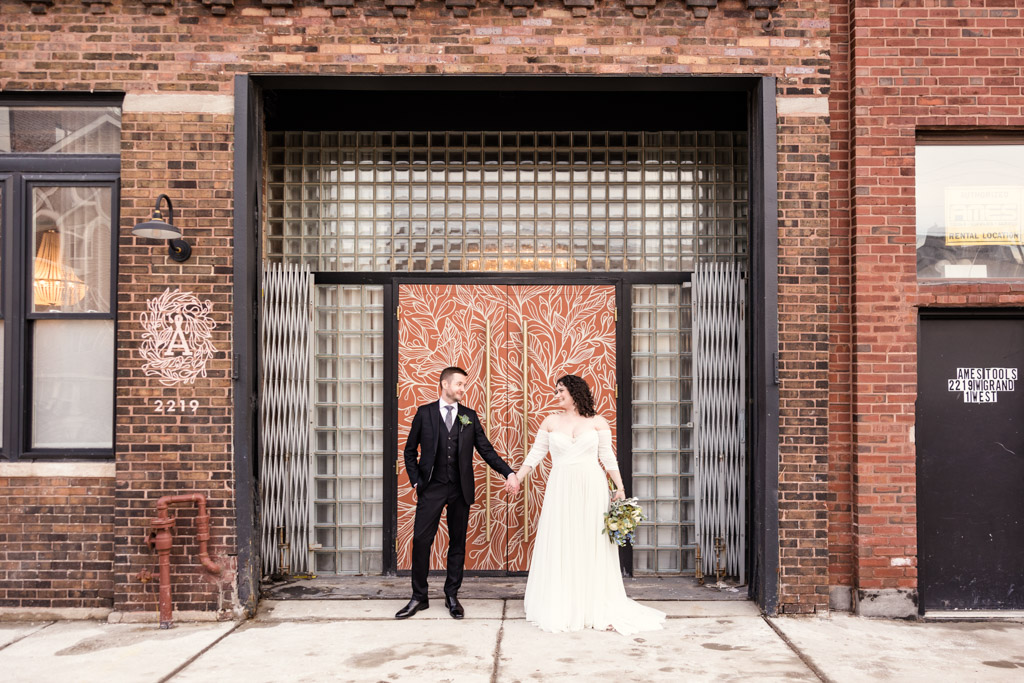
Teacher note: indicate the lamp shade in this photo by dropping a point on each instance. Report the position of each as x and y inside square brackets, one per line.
[54, 283]
[156, 228]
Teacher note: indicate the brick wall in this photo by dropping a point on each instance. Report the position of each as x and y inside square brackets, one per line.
[187, 50]
[803, 358]
[189, 157]
[56, 542]
[942, 65]
[840, 358]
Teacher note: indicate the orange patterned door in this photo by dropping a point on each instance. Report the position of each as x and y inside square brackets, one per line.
[438, 326]
[569, 329]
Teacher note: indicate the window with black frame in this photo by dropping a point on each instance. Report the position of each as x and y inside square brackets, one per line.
[970, 208]
[59, 168]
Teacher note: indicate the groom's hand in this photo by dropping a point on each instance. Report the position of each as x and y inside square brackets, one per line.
[512, 483]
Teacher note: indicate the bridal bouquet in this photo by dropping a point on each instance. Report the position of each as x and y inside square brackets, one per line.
[622, 519]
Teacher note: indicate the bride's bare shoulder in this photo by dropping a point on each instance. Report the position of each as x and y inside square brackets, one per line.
[548, 424]
[601, 424]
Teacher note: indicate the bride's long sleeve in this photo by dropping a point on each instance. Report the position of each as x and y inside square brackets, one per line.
[604, 451]
[539, 450]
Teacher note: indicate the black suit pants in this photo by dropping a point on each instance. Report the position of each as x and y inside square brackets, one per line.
[432, 499]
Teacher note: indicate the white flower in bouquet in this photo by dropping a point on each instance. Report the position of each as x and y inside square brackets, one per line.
[622, 519]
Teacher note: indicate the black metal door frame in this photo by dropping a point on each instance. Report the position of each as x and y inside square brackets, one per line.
[623, 374]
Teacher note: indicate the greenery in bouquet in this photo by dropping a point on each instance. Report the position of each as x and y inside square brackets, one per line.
[622, 519]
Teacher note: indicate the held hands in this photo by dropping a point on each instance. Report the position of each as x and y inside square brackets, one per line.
[512, 484]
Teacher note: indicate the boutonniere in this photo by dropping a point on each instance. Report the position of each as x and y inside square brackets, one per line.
[464, 421]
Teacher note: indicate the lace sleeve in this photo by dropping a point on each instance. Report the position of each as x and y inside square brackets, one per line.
[539, 450]
[604, 451]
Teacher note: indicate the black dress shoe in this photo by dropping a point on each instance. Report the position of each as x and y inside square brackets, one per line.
[454, 607]
[412, 608]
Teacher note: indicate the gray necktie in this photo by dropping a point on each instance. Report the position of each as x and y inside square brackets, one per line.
[448, 421]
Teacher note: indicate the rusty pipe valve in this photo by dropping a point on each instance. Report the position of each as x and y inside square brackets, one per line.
[160, 539]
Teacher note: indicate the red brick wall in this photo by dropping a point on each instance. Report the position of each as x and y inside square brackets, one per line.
[56, 542]
[188, 157]
[190, 51]
[840, 419]
[803, 363]
[952, 64]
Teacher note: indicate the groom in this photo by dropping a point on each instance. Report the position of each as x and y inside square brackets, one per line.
[445, 433]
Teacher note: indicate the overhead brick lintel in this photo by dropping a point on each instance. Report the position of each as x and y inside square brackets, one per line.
[57, 469]
[178, 103]
[802, 106]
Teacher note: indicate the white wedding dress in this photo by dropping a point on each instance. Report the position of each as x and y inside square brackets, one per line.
[575, 581]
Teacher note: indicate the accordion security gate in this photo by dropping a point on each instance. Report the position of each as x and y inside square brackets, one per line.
[286, 400]
[719, 397]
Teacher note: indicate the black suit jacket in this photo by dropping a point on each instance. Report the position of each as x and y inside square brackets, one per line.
[425, 435]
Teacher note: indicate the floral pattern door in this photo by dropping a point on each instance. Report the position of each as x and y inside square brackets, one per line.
[568, 329]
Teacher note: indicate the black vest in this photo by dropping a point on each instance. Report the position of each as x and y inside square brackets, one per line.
[446, 462]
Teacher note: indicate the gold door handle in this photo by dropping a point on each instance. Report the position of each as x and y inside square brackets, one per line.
[487, 421]
[526, 433]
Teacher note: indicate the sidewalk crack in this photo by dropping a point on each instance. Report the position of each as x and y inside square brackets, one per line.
[800, 655]
[497, 644]
[30, 633]
[199, 654]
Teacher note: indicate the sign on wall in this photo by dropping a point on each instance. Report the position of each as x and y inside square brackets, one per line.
[984, 215]
[177, 337]
[982, 385]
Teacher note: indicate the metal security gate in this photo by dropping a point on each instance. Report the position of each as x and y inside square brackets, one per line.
[719, 397]
[286, 429]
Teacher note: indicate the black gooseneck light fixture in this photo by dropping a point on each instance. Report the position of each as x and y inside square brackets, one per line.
[157, 228]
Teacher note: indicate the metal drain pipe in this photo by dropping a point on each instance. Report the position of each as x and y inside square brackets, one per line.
[160, 539]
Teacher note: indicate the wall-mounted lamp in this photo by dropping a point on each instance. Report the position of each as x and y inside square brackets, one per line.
[156, 228]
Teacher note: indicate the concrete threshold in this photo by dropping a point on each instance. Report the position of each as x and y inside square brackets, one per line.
[483, 588]
[974, 615]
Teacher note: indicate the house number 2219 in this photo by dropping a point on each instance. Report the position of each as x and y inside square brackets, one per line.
[179, 406]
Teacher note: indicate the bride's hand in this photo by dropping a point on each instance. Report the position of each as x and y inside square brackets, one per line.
[619, 495]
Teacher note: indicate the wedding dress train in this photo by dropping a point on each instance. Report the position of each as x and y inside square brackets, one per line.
[575, 581]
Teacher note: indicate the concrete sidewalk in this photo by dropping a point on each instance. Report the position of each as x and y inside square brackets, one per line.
[350, 640]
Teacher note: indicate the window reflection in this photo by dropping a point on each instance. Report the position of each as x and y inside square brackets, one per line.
[970, 211]
[60, 130]
[71, 249]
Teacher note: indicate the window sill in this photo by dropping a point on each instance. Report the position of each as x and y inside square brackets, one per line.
[57, 469]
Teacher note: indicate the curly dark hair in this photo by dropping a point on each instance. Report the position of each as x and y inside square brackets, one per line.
[580, 392]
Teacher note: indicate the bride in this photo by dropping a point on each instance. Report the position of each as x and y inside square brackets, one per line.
[575, 581]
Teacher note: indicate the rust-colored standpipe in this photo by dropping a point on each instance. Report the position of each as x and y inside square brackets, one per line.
[160, 539]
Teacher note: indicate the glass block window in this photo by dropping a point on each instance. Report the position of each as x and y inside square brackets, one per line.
[349, 449]
[506, 201]
[663, 428]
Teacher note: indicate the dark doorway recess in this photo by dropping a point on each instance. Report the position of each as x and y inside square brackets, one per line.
[269, 102]
[970, 461]
[504, 110]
